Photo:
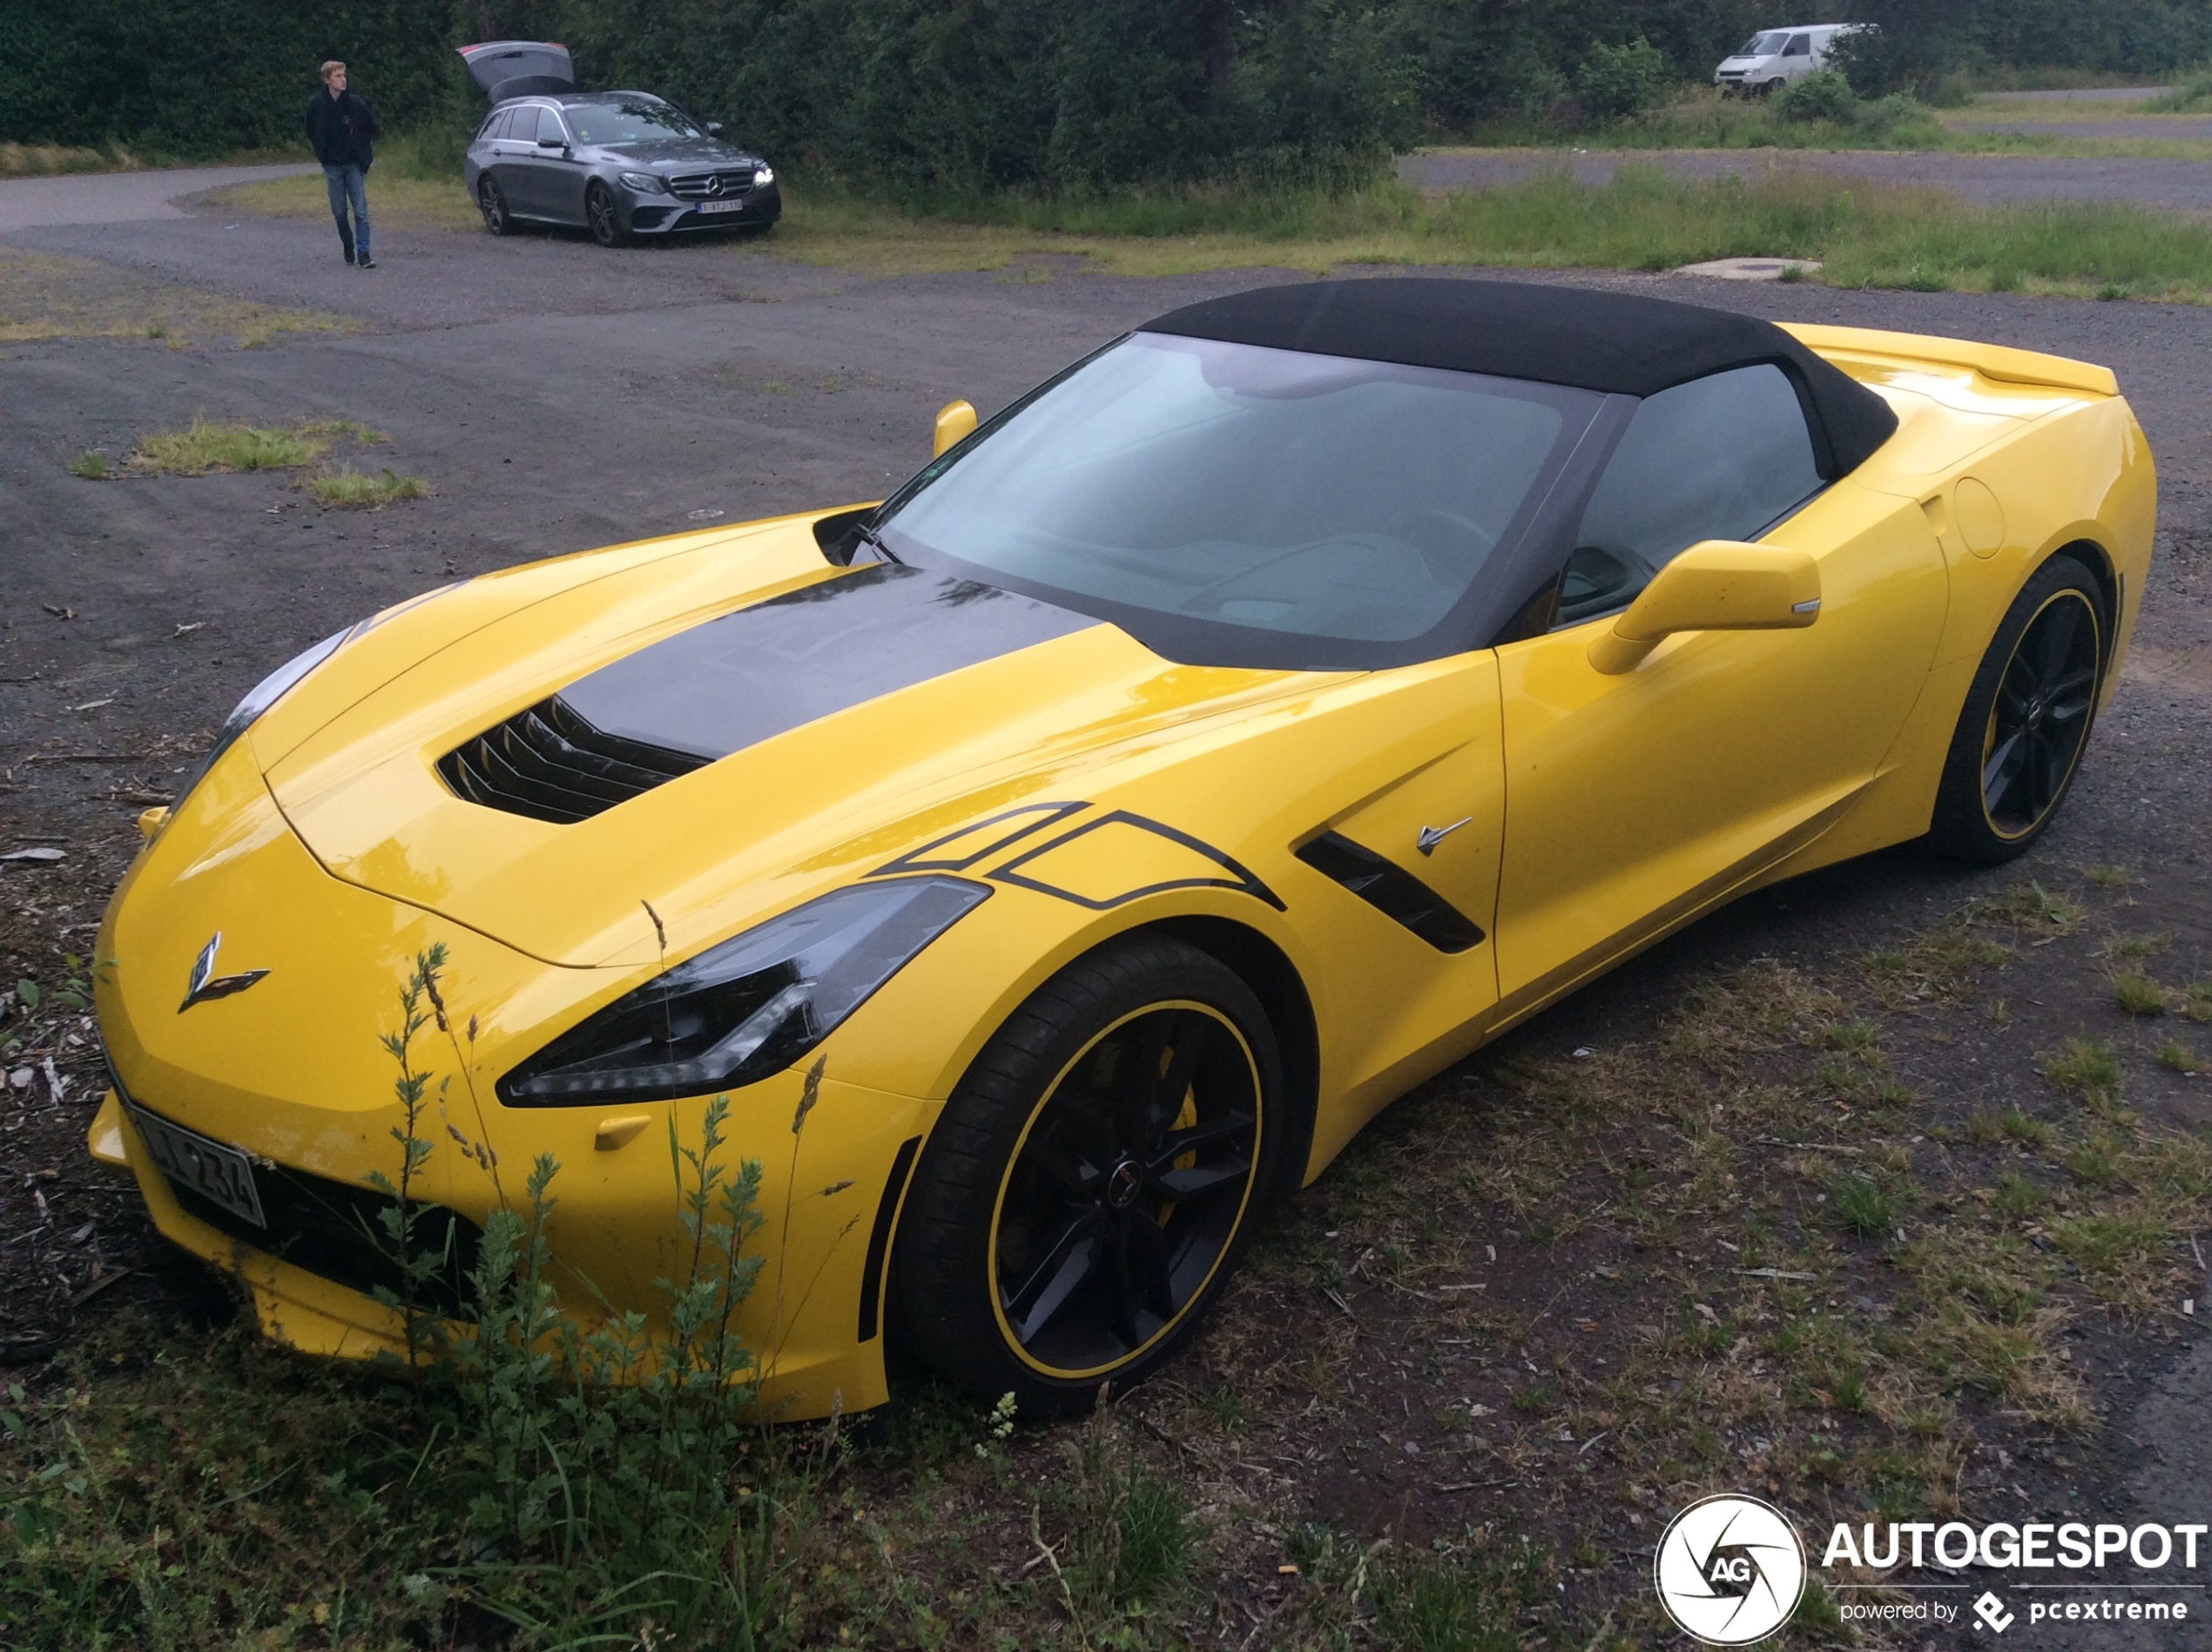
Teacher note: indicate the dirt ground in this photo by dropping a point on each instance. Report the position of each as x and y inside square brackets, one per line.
[1454, 1352]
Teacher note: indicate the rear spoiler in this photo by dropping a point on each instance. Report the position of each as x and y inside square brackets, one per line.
[1997, 361]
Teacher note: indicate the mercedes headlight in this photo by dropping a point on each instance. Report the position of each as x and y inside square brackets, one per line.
[763, 174]
[645, 183]
[748, 1007]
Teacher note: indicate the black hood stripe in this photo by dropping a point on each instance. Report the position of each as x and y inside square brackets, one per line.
[747, 676]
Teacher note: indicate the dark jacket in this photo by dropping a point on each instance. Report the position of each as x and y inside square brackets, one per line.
[338, 129]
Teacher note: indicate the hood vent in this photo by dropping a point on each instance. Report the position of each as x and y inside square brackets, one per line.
[549, 762]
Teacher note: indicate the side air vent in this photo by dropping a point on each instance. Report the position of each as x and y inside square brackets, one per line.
[547, 762]
[1392, 891]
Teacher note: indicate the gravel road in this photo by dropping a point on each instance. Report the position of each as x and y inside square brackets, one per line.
[558, 396]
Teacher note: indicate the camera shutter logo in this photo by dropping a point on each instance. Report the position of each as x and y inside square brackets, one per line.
[1729, 1570]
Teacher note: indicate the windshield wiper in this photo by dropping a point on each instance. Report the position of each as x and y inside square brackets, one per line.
[869, 538]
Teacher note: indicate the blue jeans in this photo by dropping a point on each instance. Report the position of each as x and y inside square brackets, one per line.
[348, 185]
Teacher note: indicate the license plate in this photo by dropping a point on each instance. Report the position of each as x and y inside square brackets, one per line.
[721, 207]
[209, 1168]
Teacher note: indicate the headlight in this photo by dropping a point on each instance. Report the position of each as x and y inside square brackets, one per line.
[748, 1007]
[259, 699]
[645, 183]
[763, 174]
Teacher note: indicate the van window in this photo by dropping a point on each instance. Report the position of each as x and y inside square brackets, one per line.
[1799, 46]
[1721, 457]
[1764, 45]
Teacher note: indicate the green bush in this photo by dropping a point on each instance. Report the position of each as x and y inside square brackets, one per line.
[1825, 95]
[1617, 82]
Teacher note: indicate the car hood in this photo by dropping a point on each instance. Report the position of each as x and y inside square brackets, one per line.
[678, 153]
[816, 722]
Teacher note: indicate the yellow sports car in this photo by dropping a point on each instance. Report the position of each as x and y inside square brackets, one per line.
[1051, 862]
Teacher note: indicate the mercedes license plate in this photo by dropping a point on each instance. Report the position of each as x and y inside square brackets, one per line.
[209, 1168]
[721, 207]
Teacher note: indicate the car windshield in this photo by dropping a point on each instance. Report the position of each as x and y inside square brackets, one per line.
[1764, 45]
[1227, 485]
[633, 120]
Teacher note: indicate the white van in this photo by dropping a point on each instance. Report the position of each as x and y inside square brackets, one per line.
[1770, 60]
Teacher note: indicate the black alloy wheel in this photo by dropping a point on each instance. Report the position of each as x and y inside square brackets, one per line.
[599, 211]
[491, 201]
[1094, 1178]
[2026, 719]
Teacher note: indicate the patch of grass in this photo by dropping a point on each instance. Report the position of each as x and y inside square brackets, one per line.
[92, 466]
[1446, 1603]
[2086, 1068]
[1865, 1207]
[2028, 1132]
[2196, 1001]
[2137, 994]
[1863, 233]
[2175, 1057]
[48, 160]
[201, 448]
[43, 295]
[2036, 909]
[2018, 1199]
[2108, 877]
[348, 488]
[396, 199]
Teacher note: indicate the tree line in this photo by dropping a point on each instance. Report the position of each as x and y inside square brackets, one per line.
[932, 95]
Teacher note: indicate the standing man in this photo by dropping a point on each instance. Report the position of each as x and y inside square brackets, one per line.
[339, 128]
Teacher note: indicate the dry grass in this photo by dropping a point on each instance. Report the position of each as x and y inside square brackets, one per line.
[46, 296]
[47, 160]
[394, 201]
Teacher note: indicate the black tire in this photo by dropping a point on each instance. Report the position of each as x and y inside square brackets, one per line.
[2026, 719]
[1113, 1220]
[603, 216]
[491, 201]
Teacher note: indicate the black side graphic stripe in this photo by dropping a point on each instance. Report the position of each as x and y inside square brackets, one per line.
[1392, 891]
[1034, 816]
[1240, 878]
[880, 1239]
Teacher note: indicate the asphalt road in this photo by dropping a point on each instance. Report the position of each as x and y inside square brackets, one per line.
[113, 197]
[558, 396]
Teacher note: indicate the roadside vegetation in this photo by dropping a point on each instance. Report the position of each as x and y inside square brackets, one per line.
[1862, 235]
[1849, 1237]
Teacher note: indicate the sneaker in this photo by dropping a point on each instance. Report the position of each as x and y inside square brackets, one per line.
[349, 256]
[365, 262]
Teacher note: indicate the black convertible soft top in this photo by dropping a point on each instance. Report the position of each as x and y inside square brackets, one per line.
[1619, 343]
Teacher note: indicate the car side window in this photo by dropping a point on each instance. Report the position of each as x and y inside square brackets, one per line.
[495, 124]
[1799, 46]
[1721, 457]
[549, 125]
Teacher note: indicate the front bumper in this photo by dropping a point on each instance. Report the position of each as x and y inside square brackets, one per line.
[291, 1072]
[668, 215]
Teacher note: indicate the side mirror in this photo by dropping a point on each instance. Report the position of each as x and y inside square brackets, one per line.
[955, 423]
[552, 143]
[1716, 585]
[713, 129]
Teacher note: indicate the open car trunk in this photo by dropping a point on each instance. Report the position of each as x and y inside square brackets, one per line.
[504, 69]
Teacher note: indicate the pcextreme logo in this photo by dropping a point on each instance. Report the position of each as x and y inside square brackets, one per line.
[1729, 1570]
